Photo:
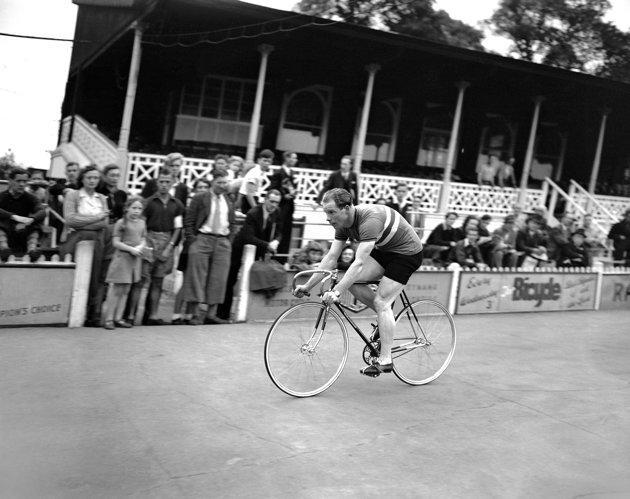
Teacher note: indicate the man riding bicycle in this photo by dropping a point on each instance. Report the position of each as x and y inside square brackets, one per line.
[388, 249]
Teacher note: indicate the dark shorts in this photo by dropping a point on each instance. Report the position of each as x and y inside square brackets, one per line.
[397, 267]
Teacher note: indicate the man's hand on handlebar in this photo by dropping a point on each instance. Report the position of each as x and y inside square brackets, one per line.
[300, 291]
[330, 297]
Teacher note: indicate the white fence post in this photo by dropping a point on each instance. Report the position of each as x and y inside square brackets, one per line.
[84, 255]
[452, 299]
[249, 255]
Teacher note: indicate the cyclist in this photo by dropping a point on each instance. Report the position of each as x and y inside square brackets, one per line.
[388, 249]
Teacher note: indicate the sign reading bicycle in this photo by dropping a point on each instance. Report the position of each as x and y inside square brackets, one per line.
[491, 292]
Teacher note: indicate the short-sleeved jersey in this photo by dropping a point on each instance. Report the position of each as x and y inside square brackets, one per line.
[379, 223]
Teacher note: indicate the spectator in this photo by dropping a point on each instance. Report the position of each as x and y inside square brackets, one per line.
[559, 236]
[519, 218]
[469, 221]
[183, 311]
[308, 257]
[87, 215]
[400, 202]
[251, 185]
[209, 228]
[164, 218]
[262, 229]
[415, 217]
[505, 174]
[179, 190]
[235, 175]
[56, 194]
[382, 201]
[466, 251]
[20, 217]
[593, 241]
[574, 253]
[284, 182]
[221, 162]
[38, 185]
[343, 178]
[442, 238]
[619, 236]
[531, 243]
[485, 238]
[504, 244]
[346, 258]
[128, 237]
[487, 171]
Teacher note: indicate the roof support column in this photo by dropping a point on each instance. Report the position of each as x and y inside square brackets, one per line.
[564, 136]
[372, 69]
[598, 152]
[529, 155]
[445, 192]
[130, 99]
[264, 50]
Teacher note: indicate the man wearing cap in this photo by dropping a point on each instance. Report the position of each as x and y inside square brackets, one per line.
[179, 190]
[574, 253]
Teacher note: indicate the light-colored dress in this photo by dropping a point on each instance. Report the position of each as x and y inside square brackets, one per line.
[125, 267]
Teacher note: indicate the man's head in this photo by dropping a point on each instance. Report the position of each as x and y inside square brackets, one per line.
[221, 162]
[485, 220]
[346, 164]
[533, 222]
[541, 211]
[450, 218]
[72, 172]
[89, 177]
[289, 159]
[417, 203]
[272, 200]
[578, 237]
[201, 185]
[265, 159]
[567, 220]
[472, 233]
[508, 221]
[401, 191]
[236, 164]
[173, 162]
[164, 181]
[587, 221]
[220, 182]
[111, 175]
[18, 180]
[337, 204]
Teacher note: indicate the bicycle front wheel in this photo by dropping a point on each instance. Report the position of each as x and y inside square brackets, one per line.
[424, 342]
[306, 349]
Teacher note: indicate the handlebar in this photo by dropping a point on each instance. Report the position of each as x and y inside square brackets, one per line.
[330, 274]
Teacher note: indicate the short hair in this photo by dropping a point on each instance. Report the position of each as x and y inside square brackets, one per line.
[110, 167]
[486, 217]
[287, 154]
[275, 192]
[85, 170]
[266, 153]
[218, 174]
[14, 172]
[449, 213]
[509, 219]
[201, 179]
[401, 184]
[534, 218]
[348, 157]
[471, 229]
[224, 157]
[72, 163]
[340, 197]
[164, 172]
[172, 157]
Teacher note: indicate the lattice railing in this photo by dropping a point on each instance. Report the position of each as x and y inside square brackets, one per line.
[90, 141]
[464, 198]
[614, 205]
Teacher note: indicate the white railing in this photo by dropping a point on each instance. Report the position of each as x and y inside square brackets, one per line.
[590, 204]
[93, 143]
[607, 208]
[464, 198]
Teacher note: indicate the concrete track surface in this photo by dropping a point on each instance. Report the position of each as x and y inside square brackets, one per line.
[533, 405]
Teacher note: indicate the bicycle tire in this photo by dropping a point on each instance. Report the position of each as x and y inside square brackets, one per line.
[424, 342]
[306, 349]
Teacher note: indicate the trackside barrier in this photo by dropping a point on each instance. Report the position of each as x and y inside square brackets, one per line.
[486, 292]
[80, 289]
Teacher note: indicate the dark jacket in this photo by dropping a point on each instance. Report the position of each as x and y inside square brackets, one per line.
[400, 209]
[198, 212]
[336, 181]
[253, 232]
[151, 187]
[573, 256]
[115, 201]
[441, 236]
[463, 251]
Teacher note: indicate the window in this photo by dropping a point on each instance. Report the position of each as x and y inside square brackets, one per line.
[228, 99]
[304, 120]
[382, 132]
[497, 139]
[436, 135]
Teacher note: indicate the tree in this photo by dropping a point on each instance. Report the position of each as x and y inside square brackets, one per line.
[570, 34]
[416, 17]
[7, 162]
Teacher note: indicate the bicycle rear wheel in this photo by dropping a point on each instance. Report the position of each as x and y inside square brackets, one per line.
[306, 349]
[424, 342]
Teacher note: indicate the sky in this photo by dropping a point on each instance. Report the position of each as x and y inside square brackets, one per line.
[33, 73]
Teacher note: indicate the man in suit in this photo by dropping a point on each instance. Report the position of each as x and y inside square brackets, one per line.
[209, 226]
[284, 182]
[399, 202]
[179, 190]
[466, 251]
[260, 229]
[344, 178]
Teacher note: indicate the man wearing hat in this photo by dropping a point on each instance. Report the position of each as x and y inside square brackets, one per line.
[574, 253]
[179, 190]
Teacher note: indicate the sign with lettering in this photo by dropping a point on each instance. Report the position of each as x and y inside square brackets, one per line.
[42, 296]
[494, 292]
[615, 292]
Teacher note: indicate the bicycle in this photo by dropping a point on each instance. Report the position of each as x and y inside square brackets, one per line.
[307, 345]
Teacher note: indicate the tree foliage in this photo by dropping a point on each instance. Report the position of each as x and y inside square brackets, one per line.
[7, 163]
[570, 34]
[413, 17]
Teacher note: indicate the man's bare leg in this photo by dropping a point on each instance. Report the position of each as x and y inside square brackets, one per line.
[371, 271]
[388, 290]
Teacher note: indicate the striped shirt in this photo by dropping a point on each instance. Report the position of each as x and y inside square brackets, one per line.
[379, 223]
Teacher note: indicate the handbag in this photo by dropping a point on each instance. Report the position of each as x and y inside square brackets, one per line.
[267, 276]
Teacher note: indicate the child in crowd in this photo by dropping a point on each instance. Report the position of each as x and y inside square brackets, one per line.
[308, 257]
[128, 240]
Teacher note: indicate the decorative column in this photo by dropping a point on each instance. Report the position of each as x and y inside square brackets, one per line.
[264, 50]
[132, 84]
[564, 136]
[529, 155]
[365, 116]
[445, 192]
[598, 152]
